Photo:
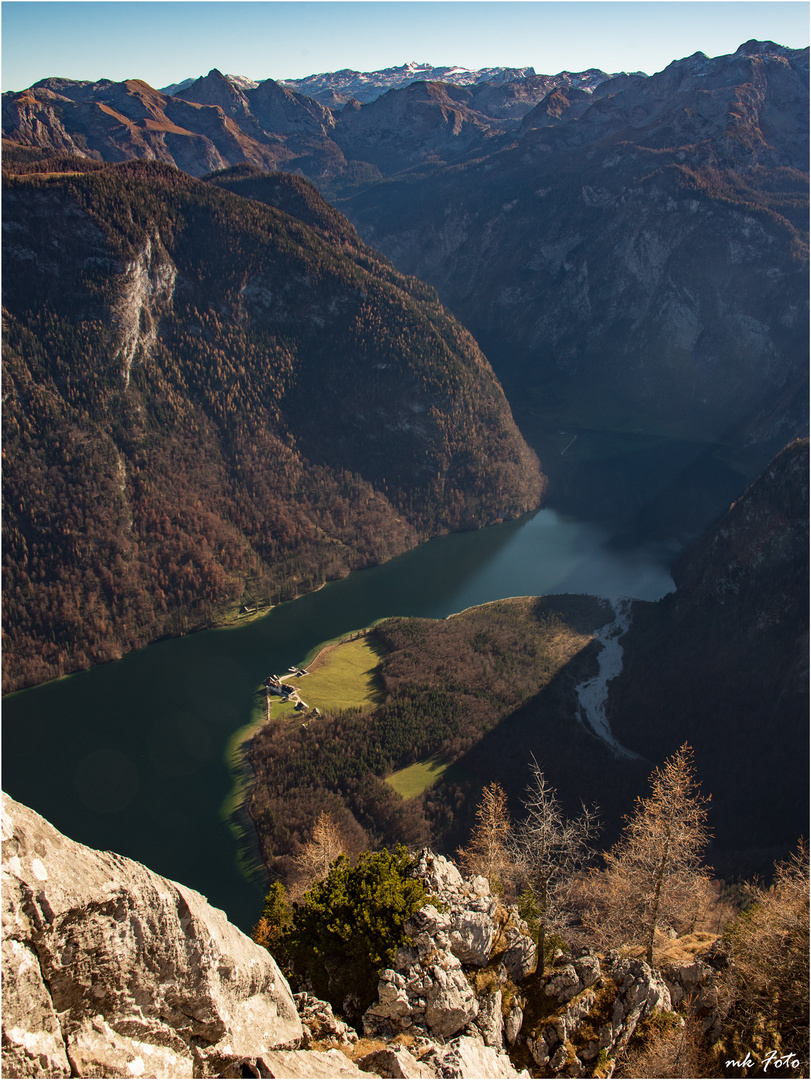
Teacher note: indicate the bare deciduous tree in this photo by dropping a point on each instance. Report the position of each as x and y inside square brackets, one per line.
[654, 873]
[548, 849]
[670, 1050]
[318, 854]
[769, 946]
[489, 850]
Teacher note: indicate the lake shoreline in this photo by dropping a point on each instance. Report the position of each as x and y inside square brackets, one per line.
[177, 715]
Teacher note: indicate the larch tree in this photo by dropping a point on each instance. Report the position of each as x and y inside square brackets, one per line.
[319, 853]
[489, 849]
[654, 873]
[548, 849]
[769, 947]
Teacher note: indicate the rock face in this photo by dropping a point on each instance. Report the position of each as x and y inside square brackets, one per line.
[427, 991]
[563, 1043]
[110, 970]
[320, 1022]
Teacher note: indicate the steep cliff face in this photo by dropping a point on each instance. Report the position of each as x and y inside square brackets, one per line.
[110, 970]
[722, 663]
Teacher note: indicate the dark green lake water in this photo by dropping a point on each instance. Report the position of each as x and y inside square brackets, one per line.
[133, 756]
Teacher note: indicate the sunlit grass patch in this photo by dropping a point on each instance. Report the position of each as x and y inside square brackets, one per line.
[414, 779]
[342, 676]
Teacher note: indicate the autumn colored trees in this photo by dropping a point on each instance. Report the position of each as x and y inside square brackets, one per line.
[769, 949]
[549, 848]
[655, 873]
[208, 403]
[489, 850]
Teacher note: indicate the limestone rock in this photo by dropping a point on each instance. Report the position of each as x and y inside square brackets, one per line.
[31, 1032]
[450, 1003]
[521, 955]
[321, 1022]
[146, 977]
[512, 1025]
[641, 991]
[311, 1065]
[490, 1021]
[468, 1057]
[398, 1063]
[427, 990]
[569, 977]
[438, 873]
[392, 1002]
[564, 984]
[694, 985]
[588, 969]
[471, 937]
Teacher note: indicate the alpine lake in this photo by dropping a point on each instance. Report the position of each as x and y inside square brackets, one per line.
[140, 756]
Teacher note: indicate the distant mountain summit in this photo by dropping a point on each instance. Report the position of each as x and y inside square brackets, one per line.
[242, 81]
[336, 88]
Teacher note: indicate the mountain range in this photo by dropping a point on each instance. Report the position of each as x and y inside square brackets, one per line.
[634, 264]
[630, 251]
[336, 88]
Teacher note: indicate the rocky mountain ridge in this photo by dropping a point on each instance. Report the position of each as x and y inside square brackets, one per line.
[338, 87]
[111, 970]
[335, 88]
[634, 263]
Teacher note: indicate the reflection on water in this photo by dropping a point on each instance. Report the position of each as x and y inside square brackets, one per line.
[131, 756]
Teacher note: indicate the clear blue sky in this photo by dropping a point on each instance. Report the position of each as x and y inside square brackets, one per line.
[164, 41]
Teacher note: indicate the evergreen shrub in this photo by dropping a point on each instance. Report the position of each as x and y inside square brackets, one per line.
[351, 924]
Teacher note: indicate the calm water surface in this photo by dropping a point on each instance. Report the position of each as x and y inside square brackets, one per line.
[133, 756]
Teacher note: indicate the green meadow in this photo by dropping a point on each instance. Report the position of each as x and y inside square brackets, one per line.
[342, 676]
[414, 779]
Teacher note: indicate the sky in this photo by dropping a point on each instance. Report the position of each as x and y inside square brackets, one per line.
[165, 41]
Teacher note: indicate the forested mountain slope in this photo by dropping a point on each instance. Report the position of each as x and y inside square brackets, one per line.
[207, 404]
[723, 664]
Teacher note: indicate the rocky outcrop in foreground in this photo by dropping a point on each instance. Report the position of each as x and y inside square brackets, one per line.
[469, 977]
[110, 970]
